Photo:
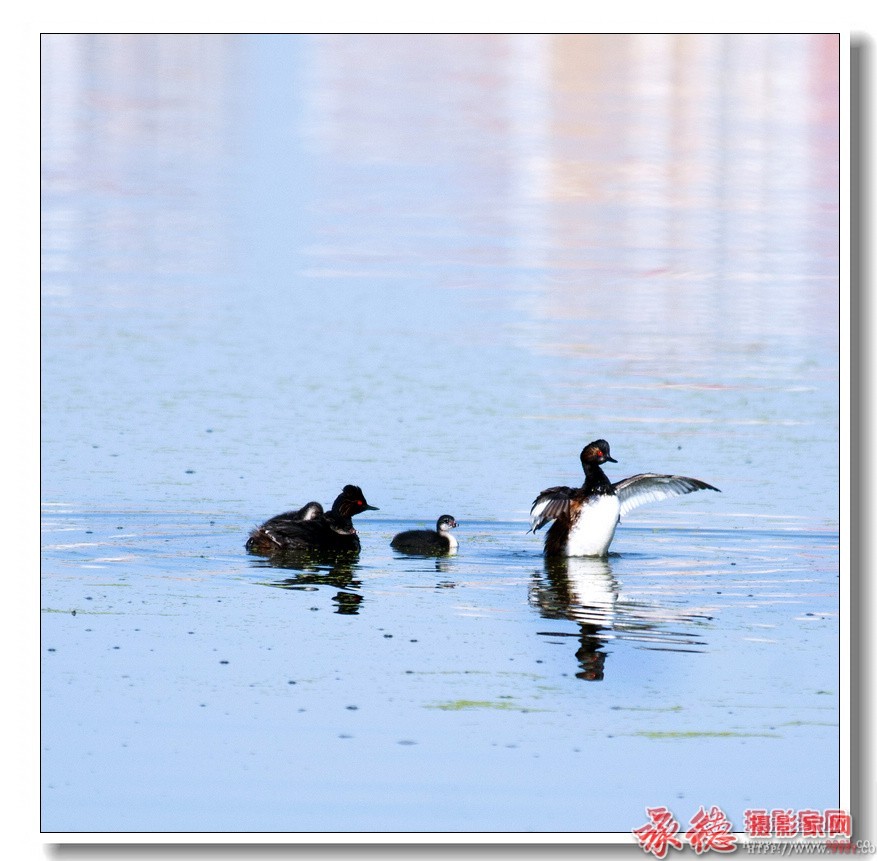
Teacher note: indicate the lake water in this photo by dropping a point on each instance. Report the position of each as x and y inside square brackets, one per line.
[436, 267]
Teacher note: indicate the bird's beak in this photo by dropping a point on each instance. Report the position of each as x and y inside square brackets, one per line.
[611, 459]
[368, 507]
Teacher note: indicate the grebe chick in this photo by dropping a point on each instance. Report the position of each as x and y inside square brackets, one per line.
[308, 511]
[428, 542]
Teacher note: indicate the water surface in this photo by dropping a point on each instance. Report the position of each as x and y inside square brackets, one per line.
[436, 267]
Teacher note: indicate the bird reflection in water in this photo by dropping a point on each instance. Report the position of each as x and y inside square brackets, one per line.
[314, 571]
[583, 590]
[444, 566]
[420, 570]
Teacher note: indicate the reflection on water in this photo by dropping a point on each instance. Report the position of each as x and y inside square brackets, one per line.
[312, 574]
[348, 603]
[584, 591]
[342, 573]
[443, 567]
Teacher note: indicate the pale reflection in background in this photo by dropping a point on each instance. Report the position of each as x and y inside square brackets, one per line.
[635, 165]
[626, 236]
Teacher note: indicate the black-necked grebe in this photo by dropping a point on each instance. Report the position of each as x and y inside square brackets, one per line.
[428, 542]
[312, 529]
[585, 517]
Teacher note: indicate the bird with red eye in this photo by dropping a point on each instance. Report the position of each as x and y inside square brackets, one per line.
[585, 517]
[322, 534]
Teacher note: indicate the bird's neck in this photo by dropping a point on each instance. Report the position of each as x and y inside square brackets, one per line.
[340, 519]
[595, 479]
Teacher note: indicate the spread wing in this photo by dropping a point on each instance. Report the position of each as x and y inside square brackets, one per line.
[550, 504]
[650, 487]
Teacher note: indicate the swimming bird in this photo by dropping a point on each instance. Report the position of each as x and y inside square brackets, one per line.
[312, 529]
[428, 542]
[585, 517]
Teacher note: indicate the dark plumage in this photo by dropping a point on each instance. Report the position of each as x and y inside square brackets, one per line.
[428, 542]
[308, 511]
[310, 529]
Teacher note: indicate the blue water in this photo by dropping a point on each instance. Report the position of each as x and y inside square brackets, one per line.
[436, 267]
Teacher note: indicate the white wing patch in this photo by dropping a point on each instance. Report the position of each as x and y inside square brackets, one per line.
[650, 487]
